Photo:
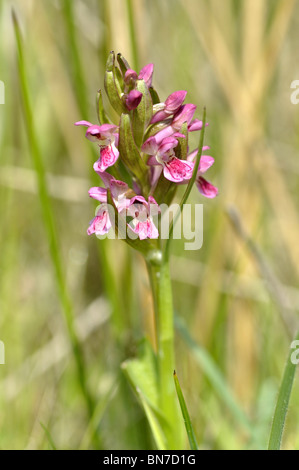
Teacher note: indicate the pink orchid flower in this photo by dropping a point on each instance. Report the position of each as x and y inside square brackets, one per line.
[118, 190]
[174, 169]
[107, 139]
[170, 107]
[184, 114]
[143, 212]
[101, 223]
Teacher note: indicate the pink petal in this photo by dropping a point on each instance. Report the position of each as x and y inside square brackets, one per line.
[130, 76]
[146, 229]
[185, 114]
[133, 99]
[141, 230]
[152, 231]
[166, 132]
[100, 224]
[146, 74]
[102, 133]
[175, 101]
[159, 116]
[108, 157]
[206, 188]
[107, 129]
[83, 123]
[205, 163]
[98, 193]
[195, 125]
[167, 144]
[118, 192]
[152, 200]
[177, 170]
[105, 177]
[155, 173]
[93, 133]
[178, 134]
[139, 199]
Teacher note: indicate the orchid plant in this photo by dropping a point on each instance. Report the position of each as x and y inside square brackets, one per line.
[144, 156]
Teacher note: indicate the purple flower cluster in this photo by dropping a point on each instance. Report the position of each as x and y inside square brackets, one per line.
[149, 146]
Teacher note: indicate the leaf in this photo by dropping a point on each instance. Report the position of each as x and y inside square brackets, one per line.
[154, 95]
[282, 403]
[143, 376]
[112, 86]
[129, 152]
[142, 115]
[123, 63]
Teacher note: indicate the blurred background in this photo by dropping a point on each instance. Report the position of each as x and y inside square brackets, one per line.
[236, 299]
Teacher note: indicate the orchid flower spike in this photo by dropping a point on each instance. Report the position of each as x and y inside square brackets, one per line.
[145, 145]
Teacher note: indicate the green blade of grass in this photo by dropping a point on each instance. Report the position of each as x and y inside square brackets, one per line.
[213, 373]
[49, 437]
[282, 403]
[187, 420]
[48, 219]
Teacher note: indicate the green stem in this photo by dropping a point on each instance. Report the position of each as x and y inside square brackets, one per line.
[162, 294]
[283, 402]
